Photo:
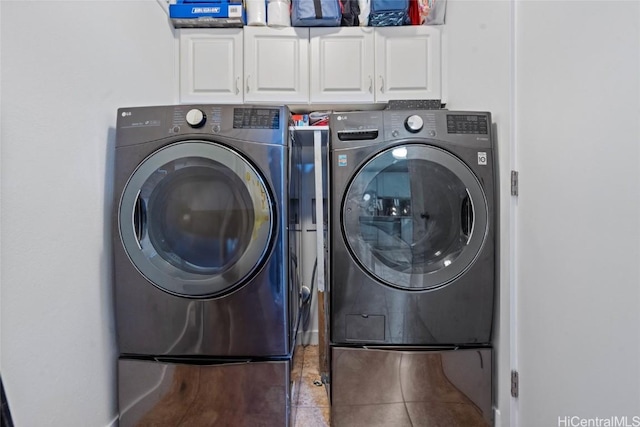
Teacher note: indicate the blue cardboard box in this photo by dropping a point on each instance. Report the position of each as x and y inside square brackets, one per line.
[193, 14]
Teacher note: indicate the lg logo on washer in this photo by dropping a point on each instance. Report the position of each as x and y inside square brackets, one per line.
[126, 113]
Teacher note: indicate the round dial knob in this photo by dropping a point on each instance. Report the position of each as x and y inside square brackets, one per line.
[414, 123]
[196, 118]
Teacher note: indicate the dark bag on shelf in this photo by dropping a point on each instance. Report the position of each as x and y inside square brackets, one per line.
[350, 12]
[386, 13]
[316, 13]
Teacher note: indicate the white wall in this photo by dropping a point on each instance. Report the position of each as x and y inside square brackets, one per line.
[578, 213]
[308, 332]
[66, 67]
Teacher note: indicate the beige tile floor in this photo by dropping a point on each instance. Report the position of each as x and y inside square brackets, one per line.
[310, 405]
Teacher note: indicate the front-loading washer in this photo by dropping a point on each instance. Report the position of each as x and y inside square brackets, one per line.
[412, 227]
[205, 309]
[411, 268]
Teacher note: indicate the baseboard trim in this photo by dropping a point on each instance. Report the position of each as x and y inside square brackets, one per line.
[307, 338]
[114, 422]
[497, 418]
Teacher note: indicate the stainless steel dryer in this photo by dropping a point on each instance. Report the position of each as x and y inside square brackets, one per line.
[200, 259]
[411, 268]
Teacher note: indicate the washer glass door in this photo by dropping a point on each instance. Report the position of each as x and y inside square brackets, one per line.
[196, 219]
[414, 217]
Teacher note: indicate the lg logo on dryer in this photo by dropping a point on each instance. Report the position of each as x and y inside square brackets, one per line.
[126, 113]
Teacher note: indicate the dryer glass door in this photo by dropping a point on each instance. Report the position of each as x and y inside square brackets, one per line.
[415, 217]
[196, 219]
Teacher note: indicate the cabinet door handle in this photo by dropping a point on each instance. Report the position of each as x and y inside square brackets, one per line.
[237, 85]
[381, 84]
[248, 77]
[370, 84]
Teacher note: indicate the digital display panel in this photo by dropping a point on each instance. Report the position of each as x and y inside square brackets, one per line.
[467, 124]
[256, 118]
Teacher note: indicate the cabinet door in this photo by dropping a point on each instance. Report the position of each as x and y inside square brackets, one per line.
[341, 65]
[407, 63]
[211, 65]
[276, 65]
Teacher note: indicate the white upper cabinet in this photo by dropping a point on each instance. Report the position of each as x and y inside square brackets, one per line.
[321, 65]
[276, 65]
[408, 62]
[342, 65]
[211, 66]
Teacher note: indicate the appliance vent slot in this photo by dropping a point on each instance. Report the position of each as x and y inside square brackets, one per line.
[357, 135]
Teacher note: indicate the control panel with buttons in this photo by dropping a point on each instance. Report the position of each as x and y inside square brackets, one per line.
[467, 124]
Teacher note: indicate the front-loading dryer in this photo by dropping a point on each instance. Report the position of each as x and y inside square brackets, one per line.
[200, 232]
[412, 228]
[205, 307]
